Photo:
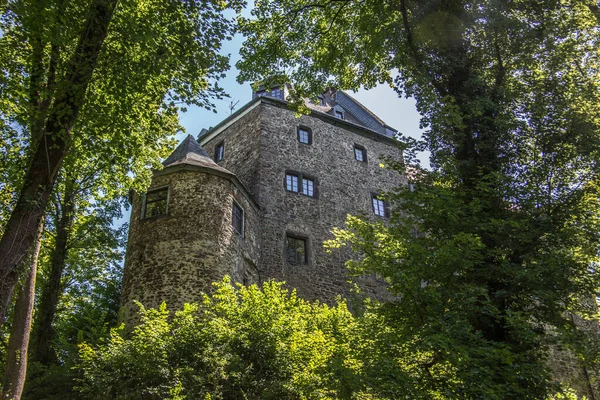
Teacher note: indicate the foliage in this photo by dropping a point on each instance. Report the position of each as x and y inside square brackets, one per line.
[103, 80]
[250, 343]
[494, 247]
[239, 343]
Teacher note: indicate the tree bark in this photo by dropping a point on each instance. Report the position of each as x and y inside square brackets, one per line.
[40, 177]
[42, 335]
[16, 360]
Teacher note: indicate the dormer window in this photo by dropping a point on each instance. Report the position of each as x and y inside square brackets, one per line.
[276, 92]
[339, 114]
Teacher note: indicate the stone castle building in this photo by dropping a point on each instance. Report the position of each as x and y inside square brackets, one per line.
[255, 198]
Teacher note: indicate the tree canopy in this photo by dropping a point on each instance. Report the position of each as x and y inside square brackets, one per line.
[106, 78]
[241, 342]
[495, 248]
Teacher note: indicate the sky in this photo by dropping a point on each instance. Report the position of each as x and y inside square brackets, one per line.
[399, 113]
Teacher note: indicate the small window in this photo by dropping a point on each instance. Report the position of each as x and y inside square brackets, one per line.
[380, 206]
[291, 182]
[156, 203]
[296, 251]
[308, 187]
[237, 218]
[219, 151]
[304, 135]
[277, 93]
[339, 114]
[360, 153]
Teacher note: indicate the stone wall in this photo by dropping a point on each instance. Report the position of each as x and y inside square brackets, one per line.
[175, 257]
[345, 186]
[264, 141]
[242, 150]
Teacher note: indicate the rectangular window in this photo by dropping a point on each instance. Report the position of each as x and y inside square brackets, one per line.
[277, 93]
[156, 203]
[296, 250]
[379, 206]
[219, 151]
[339, 114]
[308, 187]
[304, 135]
[360, 154]
[291, 182]
[237, 218]
[297, 182]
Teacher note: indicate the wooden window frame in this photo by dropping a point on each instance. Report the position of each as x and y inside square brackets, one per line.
[299, 238]
[145, 202]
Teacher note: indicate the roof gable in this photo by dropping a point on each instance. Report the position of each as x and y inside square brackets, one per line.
[190, 152]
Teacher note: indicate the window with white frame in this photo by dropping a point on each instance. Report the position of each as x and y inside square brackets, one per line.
[304, 135]
[308, 187]
[291, 182]
[300, 183]
[380, 206]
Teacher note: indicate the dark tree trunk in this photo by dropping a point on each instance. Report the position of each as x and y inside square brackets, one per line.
[16, 360]
[43, 332]
[20, 231]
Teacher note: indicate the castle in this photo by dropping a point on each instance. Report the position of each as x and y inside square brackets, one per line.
[255, 197]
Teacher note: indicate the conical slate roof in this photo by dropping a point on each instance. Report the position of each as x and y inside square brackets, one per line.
[190, 152]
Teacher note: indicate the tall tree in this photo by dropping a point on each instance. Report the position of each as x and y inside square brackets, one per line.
[509, 215]
[111, 74]
[16, 365]
[85, 203]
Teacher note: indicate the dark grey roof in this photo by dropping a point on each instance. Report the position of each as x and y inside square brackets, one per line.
[361, 113]
[190, 152]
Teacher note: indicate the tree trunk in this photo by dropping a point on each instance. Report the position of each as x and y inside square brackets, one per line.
[40, 177]
[42, 335]
[16, 360]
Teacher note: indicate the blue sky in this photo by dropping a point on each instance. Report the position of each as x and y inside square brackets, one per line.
[399, 113]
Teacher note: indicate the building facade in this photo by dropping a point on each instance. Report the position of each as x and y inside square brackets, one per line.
[255, 198]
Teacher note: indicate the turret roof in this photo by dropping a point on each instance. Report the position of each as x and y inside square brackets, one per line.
[190, 152]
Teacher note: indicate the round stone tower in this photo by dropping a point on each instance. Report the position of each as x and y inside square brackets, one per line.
[195, 224]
